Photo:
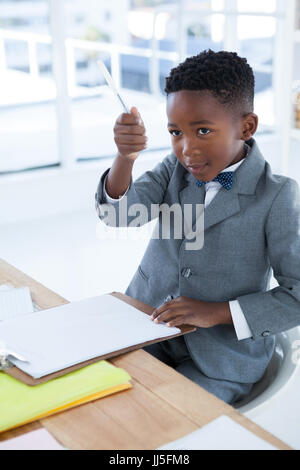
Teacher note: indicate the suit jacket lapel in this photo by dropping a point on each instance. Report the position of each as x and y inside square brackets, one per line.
[223, 205]
[191, 195]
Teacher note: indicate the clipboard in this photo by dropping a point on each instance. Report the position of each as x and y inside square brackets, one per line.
[28, 380]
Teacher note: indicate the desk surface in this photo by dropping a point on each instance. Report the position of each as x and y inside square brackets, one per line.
[162, 405]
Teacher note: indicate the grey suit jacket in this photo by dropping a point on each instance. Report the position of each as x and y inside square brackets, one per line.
[249, 230]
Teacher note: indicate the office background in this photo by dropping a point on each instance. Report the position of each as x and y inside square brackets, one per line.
[57, 115]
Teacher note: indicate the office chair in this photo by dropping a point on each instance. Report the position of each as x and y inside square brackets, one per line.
[279, 375]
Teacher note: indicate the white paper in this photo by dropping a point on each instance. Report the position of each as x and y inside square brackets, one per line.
[60, 337]
[35, 440]
[221, 434]
[14, 302]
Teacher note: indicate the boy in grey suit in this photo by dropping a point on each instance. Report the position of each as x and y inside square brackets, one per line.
[251, 226]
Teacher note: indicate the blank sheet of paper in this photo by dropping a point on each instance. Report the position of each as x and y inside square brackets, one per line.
[35, 440]
[221, 434]
[14, 302]
[60, 337]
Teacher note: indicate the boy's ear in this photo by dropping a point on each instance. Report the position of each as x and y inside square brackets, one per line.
[249, 126]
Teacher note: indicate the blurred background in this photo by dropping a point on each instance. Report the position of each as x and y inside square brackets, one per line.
[55, 109]
[57, 117]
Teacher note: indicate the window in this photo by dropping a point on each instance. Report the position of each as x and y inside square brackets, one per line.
[27, 87]
[55, 107]
[256, 33]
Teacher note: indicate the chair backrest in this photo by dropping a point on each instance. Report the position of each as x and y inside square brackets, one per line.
[279, 374]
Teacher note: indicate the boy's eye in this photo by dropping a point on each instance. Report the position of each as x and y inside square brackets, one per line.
[201, 131]
[175, 133]
[204, 131]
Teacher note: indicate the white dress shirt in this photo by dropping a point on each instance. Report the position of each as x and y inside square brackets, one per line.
[211, 189]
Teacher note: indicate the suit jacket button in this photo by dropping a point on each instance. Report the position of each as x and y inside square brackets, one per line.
[186, 272]
[265, 334]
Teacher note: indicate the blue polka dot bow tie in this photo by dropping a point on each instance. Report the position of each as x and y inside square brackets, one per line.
[225, 179]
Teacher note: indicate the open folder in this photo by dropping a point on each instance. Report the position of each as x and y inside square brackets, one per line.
[54, 340]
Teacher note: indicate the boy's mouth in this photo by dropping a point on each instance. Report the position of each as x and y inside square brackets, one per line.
[197, 169]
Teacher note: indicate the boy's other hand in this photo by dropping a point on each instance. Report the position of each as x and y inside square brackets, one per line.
[129, 133]
[188, 311]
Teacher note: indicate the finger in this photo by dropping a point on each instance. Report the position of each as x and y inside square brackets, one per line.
[170, 304]
[135, 111]
[129, 119]
[166, 316]
[131, 139]
[178, 321]
[129, 129]
[126, 149]
[160, 309]
[162, 317]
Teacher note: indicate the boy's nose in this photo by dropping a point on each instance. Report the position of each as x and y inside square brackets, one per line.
[190, 148]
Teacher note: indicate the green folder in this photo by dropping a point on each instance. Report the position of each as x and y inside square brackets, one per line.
[21, 404]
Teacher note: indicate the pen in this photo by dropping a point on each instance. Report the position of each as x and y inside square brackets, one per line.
[112, 85]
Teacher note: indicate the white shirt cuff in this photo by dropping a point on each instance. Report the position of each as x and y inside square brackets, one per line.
[240, 324]
[108, 198]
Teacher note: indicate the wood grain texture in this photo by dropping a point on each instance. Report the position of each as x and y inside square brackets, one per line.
[198, 405]
[162, 406]
[140, 420]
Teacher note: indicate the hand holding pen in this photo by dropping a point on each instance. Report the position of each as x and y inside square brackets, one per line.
[129, 134]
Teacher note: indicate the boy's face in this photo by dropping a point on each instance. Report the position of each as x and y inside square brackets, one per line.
[205, 137]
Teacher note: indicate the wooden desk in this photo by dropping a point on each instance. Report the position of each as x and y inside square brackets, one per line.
[162, 406]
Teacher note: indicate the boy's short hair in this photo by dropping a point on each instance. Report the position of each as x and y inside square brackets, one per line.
[227, 76]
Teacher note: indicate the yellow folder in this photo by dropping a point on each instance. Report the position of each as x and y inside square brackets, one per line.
[21, 404]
